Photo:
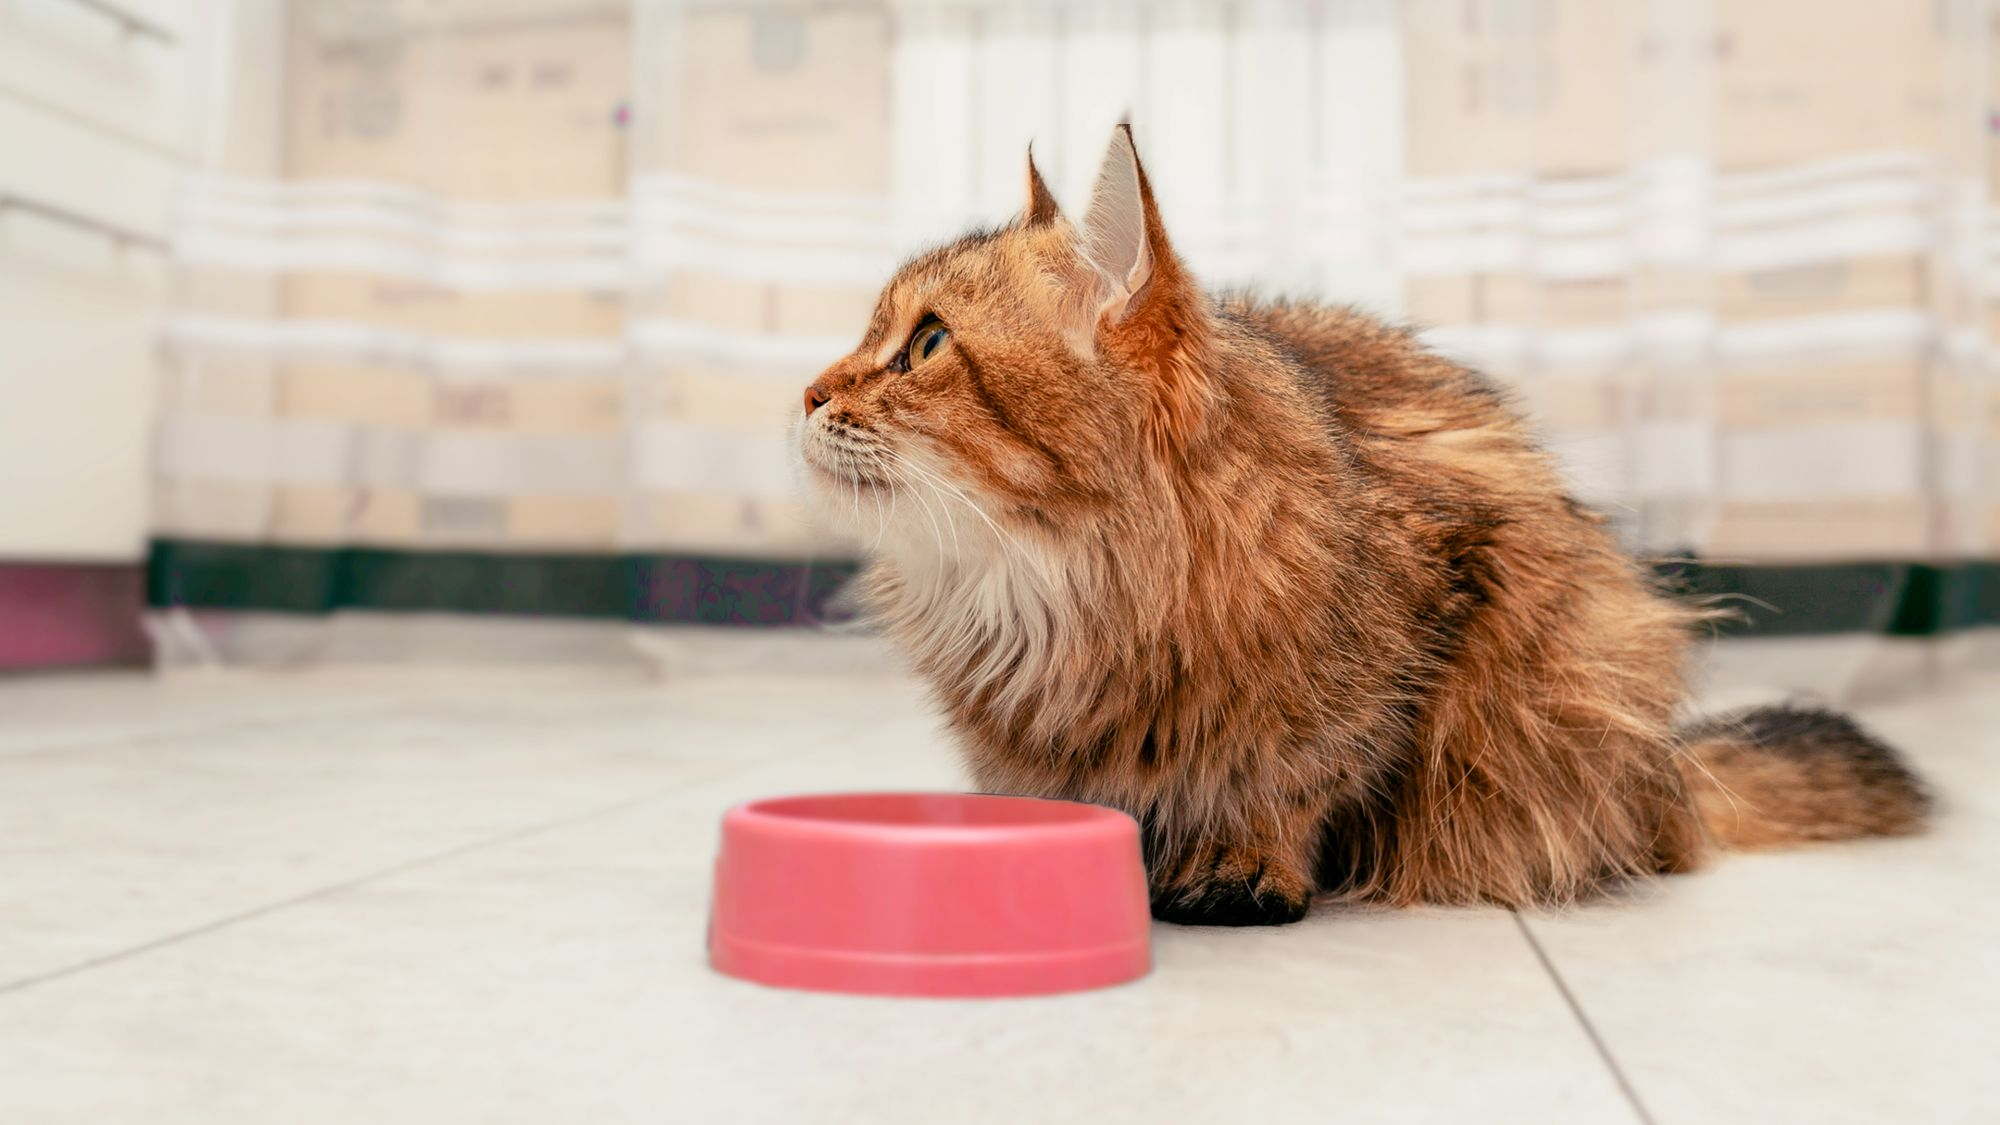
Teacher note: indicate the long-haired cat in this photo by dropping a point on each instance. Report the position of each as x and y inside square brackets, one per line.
[1306, 600]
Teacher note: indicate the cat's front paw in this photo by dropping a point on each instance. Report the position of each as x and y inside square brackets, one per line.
[1232, 888]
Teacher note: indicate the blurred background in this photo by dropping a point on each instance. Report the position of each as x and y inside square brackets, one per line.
[395, 393]
[447, 332]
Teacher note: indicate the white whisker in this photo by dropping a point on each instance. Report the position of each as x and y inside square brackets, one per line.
[936, 481]
[937, 533]
[926, 480]
[881, 521]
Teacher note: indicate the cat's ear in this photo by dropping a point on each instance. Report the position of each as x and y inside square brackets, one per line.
[1042, 206]
[1121, 226]
[1150, 313]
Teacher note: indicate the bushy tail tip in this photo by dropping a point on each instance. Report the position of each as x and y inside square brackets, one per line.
[1769, 776]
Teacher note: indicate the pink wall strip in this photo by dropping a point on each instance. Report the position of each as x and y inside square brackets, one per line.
[68, 614]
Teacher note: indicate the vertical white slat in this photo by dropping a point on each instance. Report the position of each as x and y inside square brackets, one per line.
[1015, 96]
[1099, 70]
[934, 138]
[1182, 133]
[1360, 124]
[1273, 162]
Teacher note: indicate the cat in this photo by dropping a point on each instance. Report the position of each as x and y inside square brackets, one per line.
[1305, 599]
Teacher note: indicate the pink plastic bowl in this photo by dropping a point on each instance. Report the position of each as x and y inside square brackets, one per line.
[920, 894]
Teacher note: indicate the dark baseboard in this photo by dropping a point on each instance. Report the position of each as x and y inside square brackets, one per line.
[640, 588]
[1888, 597]
[1898, 599]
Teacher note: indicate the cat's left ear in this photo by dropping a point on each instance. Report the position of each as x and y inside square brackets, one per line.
[1114, 234]
[1041, 201]
[1149, 312]
[1123, 238]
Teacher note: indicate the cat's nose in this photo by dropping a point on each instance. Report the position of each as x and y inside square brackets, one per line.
[815, 398]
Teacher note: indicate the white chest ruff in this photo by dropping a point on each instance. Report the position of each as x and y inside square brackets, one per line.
[993, 621]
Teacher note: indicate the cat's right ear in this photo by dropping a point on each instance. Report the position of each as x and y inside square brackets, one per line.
[1150, 314]
[1041, 201]
[1120, 225]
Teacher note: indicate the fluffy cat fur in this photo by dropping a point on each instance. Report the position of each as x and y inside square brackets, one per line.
[1306, 600]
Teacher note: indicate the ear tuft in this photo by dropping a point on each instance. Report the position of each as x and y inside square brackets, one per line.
[1042, 206]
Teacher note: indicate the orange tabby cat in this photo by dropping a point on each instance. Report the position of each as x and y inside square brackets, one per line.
[1306, 600]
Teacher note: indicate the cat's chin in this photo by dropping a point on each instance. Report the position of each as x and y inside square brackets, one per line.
[842, 480]
[844, 504]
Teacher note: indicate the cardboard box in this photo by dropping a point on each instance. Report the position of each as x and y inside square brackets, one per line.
[765, 106]
[361, 394]
[1816, 394]
[1587, 87]
[1548, 87]
[513, 110]
[1582, 404]
[1836, 529]
[729, 526]
[1589, 302]
[218, 510]
[781, 99]
[331, 515]
[1429, 301]
[1803, 80]
[1821, 288]
[563, 523]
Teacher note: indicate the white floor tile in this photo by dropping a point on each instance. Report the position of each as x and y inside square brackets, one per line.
[120, 845]
[46, 713]
[483, 901]
[561, 978]
[1840, 983]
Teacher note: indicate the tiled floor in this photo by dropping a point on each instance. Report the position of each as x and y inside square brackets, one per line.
[312, 898]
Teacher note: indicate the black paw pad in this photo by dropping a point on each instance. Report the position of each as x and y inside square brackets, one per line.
[1228, 904]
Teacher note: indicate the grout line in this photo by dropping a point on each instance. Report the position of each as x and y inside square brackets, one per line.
[256, 912]
[364, 704]
[387, 701]
[501, 839]
[196, 729]
[1589, 1029]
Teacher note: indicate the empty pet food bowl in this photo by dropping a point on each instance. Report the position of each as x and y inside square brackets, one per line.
[919, 894]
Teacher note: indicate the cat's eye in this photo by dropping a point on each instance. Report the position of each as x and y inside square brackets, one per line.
[927, 342]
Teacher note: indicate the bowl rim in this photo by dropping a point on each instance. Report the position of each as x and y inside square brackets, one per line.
[1085, 820]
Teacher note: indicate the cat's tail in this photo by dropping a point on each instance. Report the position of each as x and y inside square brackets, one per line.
[1778, 775]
